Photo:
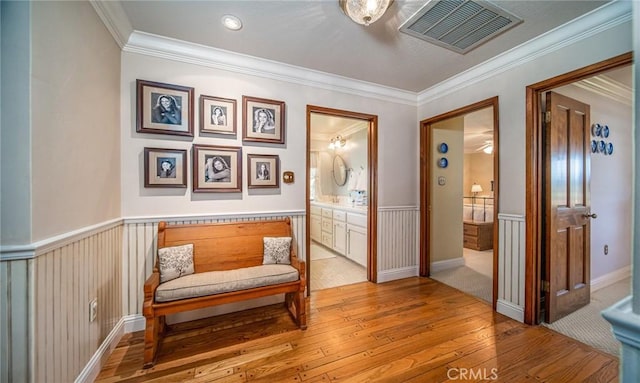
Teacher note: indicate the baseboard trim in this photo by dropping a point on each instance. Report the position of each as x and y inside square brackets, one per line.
[134, 323]
[395, 274]
[610, 278]
[510, 310]
[90, 372]
[448, 264]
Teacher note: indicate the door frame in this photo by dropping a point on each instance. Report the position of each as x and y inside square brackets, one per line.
[535, 165]
[372, 207]
[425, 174]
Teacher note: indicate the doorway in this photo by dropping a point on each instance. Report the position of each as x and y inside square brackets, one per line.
[341, 198]
[536, 190]
[459, 201]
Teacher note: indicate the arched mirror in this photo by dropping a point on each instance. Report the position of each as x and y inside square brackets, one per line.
[339, 171]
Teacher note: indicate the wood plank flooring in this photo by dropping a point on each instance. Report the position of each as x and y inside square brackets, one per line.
[412, 330]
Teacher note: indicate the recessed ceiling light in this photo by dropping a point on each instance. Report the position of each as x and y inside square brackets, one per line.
[231, 22]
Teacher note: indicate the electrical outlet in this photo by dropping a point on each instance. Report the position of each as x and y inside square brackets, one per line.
[606, 249]
[93, 309]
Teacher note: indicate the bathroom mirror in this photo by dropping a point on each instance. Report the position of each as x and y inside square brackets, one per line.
[339, 171]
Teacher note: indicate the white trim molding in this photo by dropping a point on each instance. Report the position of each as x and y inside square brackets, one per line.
[610, 278]
[197, 54]
[92, 369]
[446, 264]
[210, 217]
[395, 274]
[33, 250]
[509, 309]
[114, 18]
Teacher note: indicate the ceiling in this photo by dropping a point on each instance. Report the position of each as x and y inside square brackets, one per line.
[317, 35]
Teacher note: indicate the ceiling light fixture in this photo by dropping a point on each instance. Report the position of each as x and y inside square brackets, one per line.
[337, 142]
[488, 149]
[365, 12]
[231, 22]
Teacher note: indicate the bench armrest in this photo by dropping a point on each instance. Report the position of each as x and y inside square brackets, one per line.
[150, 286]
[299, 264]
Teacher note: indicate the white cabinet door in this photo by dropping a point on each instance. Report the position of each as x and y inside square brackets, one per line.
[357, 244]
[316, 228]
[339, 237]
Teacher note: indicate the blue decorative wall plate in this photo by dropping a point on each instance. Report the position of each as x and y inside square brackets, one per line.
[443, 148]
[443, 162]
[605, 131]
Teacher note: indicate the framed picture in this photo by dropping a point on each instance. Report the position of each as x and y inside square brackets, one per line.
[263, 120]
[217, 115]
[263, 171]
[165, 168]
[164, 108]
[217, 169]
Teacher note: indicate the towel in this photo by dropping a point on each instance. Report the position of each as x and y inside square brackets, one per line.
[361, 183]
[353, 181]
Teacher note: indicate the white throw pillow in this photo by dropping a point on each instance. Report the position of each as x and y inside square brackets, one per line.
[277, 250]
[175, 261]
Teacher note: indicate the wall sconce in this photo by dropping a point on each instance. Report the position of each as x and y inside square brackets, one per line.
[337, 142]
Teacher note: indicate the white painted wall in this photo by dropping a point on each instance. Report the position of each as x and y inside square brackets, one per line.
[611, 183]
[75, 119]
[398, 185]
[446, 200]
[478, 168]
[15, 132]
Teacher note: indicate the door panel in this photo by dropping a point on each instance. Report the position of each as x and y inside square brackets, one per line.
[567, 206]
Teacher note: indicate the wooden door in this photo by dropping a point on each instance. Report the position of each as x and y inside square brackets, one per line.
[567, 206]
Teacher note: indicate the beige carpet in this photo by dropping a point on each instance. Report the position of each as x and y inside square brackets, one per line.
[587, 324]
[474, 278]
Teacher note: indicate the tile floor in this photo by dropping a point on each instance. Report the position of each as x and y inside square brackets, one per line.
[329, 269]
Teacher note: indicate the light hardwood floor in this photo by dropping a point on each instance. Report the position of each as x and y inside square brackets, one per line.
[412, 330]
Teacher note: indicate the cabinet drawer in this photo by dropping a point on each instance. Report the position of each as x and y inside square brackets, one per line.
[327, 240]
[316, 210]
[328, 213]
[339, 216]
[357, 219]
[327, 225]
[470, 230]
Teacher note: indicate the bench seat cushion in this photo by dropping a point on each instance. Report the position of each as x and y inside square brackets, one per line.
[217, 282]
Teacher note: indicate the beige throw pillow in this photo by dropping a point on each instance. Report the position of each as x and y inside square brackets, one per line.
[277, 250]
[175, 261]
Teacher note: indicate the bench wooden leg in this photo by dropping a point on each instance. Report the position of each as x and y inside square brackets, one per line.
[151, 338]
[296, 305]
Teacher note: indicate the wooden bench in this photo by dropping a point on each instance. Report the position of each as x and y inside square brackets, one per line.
[220, 247]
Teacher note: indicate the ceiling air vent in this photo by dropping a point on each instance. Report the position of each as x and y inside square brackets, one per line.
[459, 25]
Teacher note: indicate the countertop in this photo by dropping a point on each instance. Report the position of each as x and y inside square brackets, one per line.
[353, 209]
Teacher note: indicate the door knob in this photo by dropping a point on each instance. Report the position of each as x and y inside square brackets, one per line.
[594, 215]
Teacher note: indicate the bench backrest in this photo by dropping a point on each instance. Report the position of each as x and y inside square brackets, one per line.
[223, 246]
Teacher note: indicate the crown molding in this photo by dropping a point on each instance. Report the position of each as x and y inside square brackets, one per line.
[115, 19]
[113, 16]
[191, 53]
[607, 87]
[601, 19]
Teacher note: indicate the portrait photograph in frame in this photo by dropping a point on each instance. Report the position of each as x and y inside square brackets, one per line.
[164, 108]
[263, 120]
[165, 168]
[217, 115]
[263, 171]
[217, 169]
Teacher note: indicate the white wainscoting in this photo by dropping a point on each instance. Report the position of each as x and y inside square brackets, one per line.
[140, 247]
[46, 333]
[398, 242]
[511, 265]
